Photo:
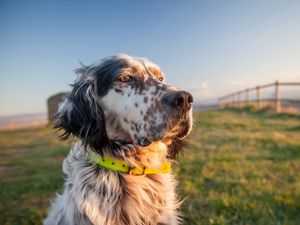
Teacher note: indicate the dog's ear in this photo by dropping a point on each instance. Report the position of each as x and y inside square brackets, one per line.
[80, 115]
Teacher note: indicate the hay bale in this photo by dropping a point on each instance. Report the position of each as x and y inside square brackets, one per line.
[53, 103]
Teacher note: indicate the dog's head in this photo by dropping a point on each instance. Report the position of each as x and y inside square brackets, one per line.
[124, 99]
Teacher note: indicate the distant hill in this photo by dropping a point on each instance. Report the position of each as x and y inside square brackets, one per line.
[22, 121]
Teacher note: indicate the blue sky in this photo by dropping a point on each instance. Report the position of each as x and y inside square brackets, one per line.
[207, 47]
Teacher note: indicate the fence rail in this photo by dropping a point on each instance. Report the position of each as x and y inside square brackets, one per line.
[242, 98]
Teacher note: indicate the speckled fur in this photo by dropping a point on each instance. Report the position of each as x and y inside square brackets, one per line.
[128, 121]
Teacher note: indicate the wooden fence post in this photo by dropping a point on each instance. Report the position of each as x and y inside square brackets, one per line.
[247, 96]
[231, 100]
[277, 98]
[258, 97]
[241, 100]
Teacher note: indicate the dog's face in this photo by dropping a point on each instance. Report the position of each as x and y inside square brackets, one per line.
[124, 99]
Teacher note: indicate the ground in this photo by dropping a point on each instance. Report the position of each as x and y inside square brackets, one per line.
[241, 167]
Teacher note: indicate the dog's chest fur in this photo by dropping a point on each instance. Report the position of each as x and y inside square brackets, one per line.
[97, 196]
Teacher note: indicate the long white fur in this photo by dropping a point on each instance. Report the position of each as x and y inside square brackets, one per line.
[146, 200]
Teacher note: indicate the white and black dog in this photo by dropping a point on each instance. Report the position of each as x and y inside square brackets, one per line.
[122, 112]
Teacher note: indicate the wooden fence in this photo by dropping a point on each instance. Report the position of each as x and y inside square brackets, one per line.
[242, 98]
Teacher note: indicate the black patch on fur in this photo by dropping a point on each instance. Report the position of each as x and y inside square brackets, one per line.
[145, 99]
[118, 90]
[107, 73]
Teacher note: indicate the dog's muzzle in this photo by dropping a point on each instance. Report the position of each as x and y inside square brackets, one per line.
[177, 106]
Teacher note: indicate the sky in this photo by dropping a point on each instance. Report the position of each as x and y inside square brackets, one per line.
[209, 48]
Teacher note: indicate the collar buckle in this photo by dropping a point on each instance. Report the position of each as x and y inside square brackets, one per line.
[130, 172]
[136, 171]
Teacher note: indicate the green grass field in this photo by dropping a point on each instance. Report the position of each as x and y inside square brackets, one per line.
[241, 167]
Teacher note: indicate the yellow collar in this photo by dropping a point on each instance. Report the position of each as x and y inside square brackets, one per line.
[118, 165]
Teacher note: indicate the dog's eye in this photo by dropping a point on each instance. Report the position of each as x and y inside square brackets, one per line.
[160, 78]
[125, 78]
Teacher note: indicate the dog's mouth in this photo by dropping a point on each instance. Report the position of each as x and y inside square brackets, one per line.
[178, 127]
[144, 141]
[182, 127]
[180, 131]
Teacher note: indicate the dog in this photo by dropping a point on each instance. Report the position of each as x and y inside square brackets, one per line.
[130, 127]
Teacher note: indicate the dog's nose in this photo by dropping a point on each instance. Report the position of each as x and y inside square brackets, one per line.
[179, 99]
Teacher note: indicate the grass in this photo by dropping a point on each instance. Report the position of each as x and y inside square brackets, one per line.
[242, 167]
[30, 174]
